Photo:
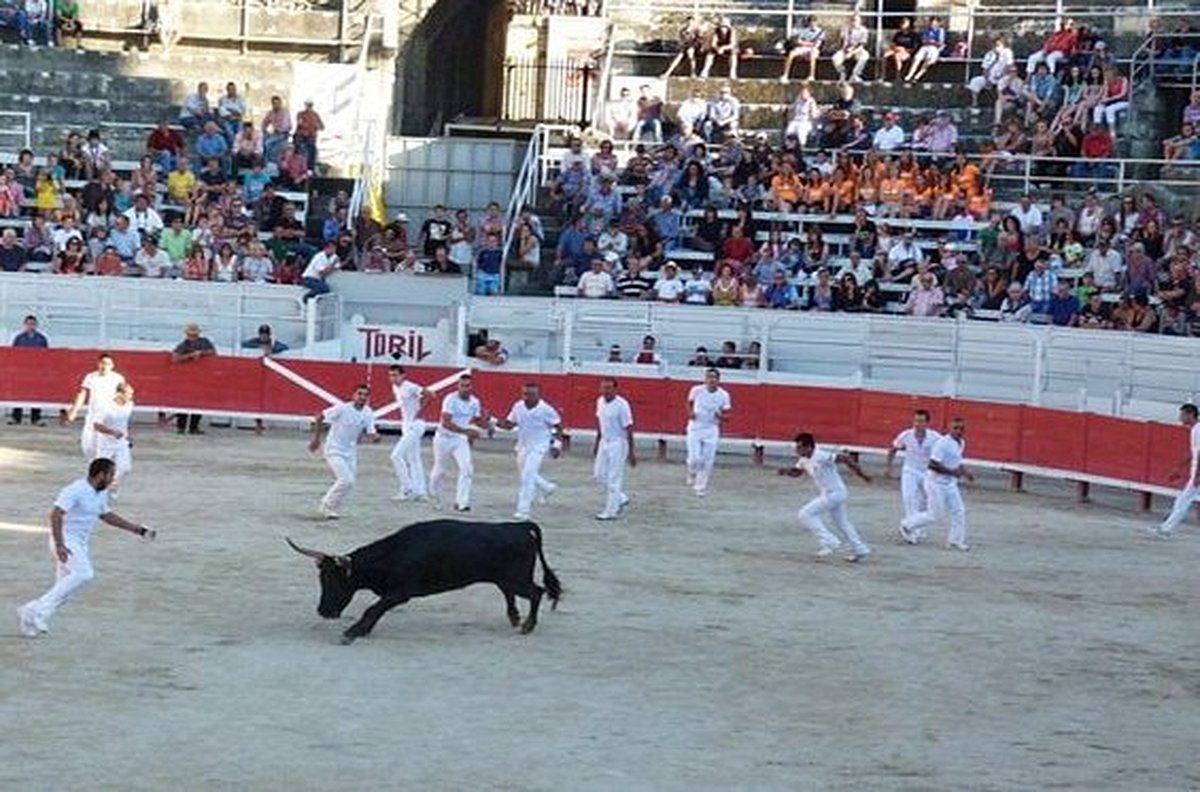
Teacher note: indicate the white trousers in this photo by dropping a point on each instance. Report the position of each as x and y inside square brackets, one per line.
[801, 129]
[1107, 113]
[860, 58]
[69, 578]
[116, 450]
[701, 454]
[529, 466]
[913, 491]
[445, 448]
[406, 460]
[834, 504]
[944, 498]
[1052, 60]
[609, 470]
[1179, 512]
[343, 469]
[87, 439]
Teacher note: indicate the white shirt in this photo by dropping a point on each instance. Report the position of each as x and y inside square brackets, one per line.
[1195, 453]
[595, 284]
[534, 424]
[408, 393]
[822, 466]
[101, 389]
[1030, 219]
[347, 423]
[83, 506]
[888, 138]
[669, 289]
[916, 453]
[707, 405]
[63, 235]
[614, 419]
[147, 221]
[320, 262]
[461, 411]
[116, 417]
[949, 454]
[156, 265]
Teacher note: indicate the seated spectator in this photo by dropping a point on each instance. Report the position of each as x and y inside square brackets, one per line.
[37, 23]
[197, 110]
[211, 144]
[693, 40]
[1134, 313]
[596, 283]
[176, 240]
[669, 287]
[265, 342]
[441, 264]
[905, 42]
[1097, 148]
[96, 155]
[1115, 100]
[1182, 146]
[1041, 95]
[614, 354]
[729, 357]
[1058, 46]
[852, 46]
[276, 129]
[67, 24]
[700, 358]
[621, 115]
[1064, 306]
[633, 284]
[995, 66]
[1016, 306]
[149, 261]
[294, 169]
[107, 263]
[214, 182]
[492, 351]
[697, 290]
[12, 253]
[750, 293]
[667, 223]
[164, 145]
[725, 288]
[649, 121]
[142, 217]
[72, 259]
[225, 265]
[925, 298]
[780, 293]
[823, 295]
[231, 111]
[647, 355]
[722, 44]
[247, 149]
[890, 136]
[181, 182]
[805, 44]
[1096, 314]
[724, 117]
[1040, 286]
[933, 41]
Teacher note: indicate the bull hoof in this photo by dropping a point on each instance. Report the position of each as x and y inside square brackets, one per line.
[527, 628]
[348, 639]
[514, 620]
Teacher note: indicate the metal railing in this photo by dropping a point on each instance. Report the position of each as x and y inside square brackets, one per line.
[16, 130]
[1117, 373]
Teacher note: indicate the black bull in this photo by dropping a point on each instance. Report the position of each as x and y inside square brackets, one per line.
[435, 556]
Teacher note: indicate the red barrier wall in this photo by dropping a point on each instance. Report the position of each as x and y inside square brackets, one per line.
[1134, 451]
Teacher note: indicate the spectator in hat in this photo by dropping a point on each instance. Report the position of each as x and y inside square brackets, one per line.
[669, 287]
[192, 348]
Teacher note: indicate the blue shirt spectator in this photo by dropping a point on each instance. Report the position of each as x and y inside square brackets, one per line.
[780, 293]
[1064, 306]
[125, 240]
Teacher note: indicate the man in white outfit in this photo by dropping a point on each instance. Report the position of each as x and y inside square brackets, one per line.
[406, 456]
[708, 405]
[916, 442]
[539, 432]
[1188, 415]
[96, 391]
[342, 426]
[111, 426]
[72, 521]
[945, 469]
[614, 445]
[459, 424]
[821, 464]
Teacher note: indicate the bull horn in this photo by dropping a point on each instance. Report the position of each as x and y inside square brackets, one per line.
[305, 551]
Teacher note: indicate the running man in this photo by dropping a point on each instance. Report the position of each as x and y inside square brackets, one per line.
[96, 390]
[614, 446]
[708, 405]
[111, 426]
[941, 481]
[460, 423]
[406, 456]
[821, 464]
[539, 431]
[1188, 415]
[72, 521]
[916, 442]
[342, 426]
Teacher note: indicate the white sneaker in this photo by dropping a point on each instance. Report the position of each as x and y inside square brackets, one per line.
[624, 500]
[858, 554]
[519, 516]
[329, 514]
[29, 627]
[828, 550]
[400, 496]
[961, 546]
[700, 493]
[691, 478]
[909, 536]
[1158, 532]
[605, 516]
[464, 508]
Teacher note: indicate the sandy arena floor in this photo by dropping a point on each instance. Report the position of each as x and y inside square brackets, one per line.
[699, 645]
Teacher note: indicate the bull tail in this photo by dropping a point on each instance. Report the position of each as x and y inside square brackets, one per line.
[550, 582]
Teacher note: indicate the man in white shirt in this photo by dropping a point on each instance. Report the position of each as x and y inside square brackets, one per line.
[890, 136]
[97, 390]
[324, 263]
[72, 521]
[66, 231]
[708, 405]
[1029, 215]
[941, 482]
[621, 115]
[1106, 264]
[112, 434]
[596, 283]
[342, 426]
[406, 456]
[459, 424]
[614, 445]
[539, 432]
[150, 261]
[916, 442]
[143, 218]
[995, 63]
[669, 287]
[1188, 415]
[821, 465]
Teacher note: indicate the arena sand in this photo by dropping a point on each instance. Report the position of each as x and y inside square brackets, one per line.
[699, 645]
